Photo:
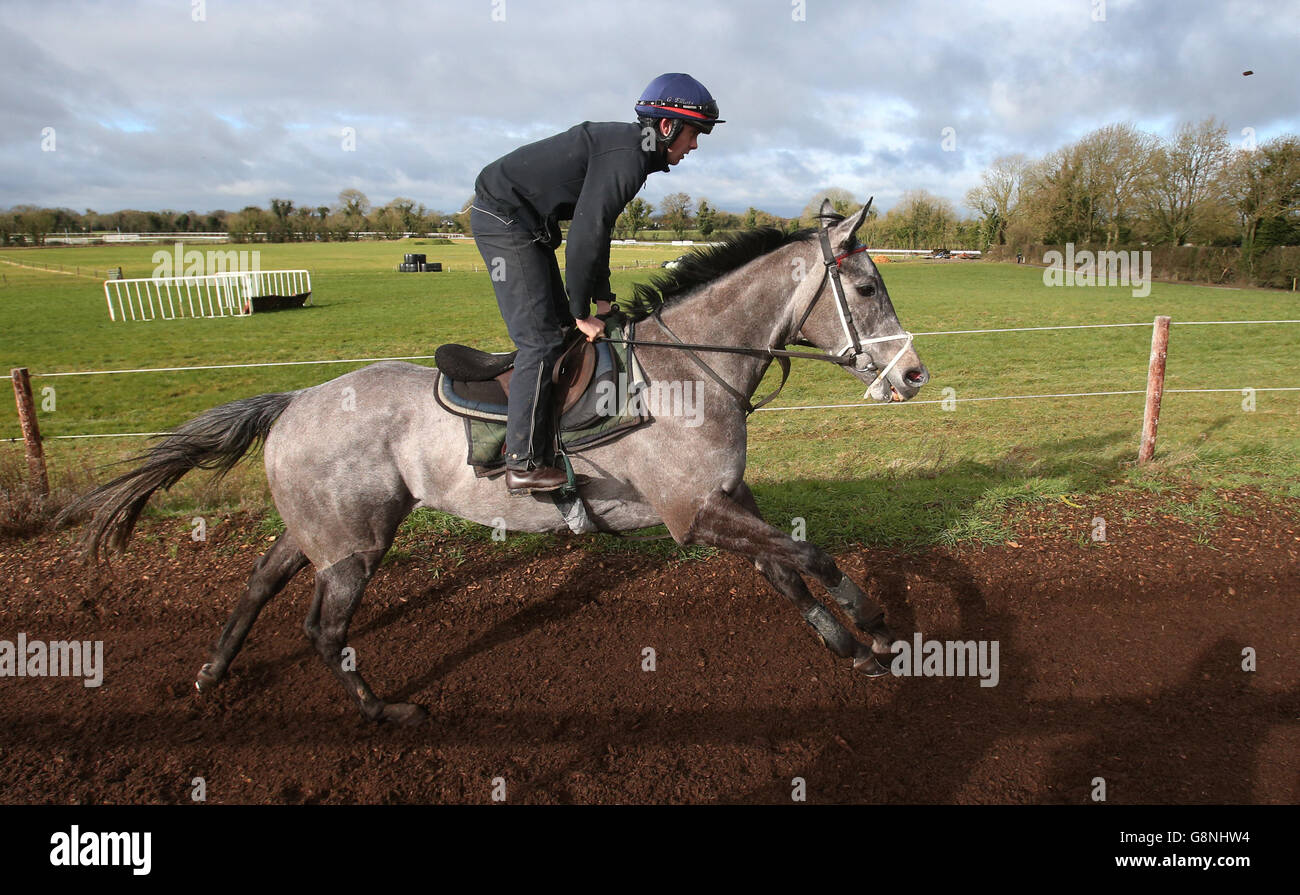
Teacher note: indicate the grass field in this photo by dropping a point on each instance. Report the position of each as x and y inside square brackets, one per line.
[899, 474]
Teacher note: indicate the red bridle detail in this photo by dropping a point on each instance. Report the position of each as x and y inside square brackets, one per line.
[839, 259]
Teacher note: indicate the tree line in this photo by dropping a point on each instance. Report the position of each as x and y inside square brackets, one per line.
[352, 214]
[283, 221]
[1115, 186]
[1122, 186]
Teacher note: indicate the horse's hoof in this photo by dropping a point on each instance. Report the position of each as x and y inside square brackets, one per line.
[867, 663]
[206, 678]
[408, 714]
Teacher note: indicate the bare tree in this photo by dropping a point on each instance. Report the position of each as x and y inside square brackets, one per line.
[1264, 185]
[921, 220]
[1187, 176]
[998, 196]
[841, 200]
[404, 209]
[1118, 159]
[675, 210]
[1063, 197]
[352, 203]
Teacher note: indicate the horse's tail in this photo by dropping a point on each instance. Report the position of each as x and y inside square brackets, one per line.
[216, 439]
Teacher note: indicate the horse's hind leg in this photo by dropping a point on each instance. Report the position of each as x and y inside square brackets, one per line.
[338, 593]
[273, 570]
[734, 523]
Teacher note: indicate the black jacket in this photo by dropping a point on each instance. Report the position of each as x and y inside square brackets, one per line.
[586, 175]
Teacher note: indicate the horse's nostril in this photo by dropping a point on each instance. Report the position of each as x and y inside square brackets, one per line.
[916, 377]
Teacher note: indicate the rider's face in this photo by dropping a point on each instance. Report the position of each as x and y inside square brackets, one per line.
[685, 142]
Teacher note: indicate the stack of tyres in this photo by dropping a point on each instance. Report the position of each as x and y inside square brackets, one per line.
[431, 267]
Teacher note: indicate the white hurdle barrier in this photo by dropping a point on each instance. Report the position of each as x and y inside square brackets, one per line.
[213, 295]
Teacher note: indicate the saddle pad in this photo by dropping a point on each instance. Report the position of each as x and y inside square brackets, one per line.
[603, 412]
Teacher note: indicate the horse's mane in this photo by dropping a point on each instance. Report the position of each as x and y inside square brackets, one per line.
[707, 264]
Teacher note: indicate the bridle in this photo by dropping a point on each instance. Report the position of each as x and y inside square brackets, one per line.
[852, 342]
[852, 354]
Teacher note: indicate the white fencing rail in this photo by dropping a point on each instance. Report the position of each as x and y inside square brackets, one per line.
[213, 295]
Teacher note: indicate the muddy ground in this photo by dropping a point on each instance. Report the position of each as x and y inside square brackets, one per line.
[1120, 660]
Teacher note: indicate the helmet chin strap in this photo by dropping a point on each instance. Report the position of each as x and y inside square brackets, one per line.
[674, 128]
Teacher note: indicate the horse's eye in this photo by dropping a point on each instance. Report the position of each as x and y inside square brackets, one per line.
[867, 289]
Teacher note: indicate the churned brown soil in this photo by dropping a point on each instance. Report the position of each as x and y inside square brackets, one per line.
[1120, 660]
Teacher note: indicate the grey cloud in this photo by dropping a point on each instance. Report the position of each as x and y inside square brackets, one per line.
[255, 98]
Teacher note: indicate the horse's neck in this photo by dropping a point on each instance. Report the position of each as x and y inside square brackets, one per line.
[748, 307]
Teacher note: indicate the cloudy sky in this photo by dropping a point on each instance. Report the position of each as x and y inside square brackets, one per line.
[204, 104]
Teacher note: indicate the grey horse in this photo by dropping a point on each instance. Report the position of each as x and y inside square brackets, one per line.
[349, 459]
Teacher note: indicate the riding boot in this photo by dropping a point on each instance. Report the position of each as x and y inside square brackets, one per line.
[526, 480]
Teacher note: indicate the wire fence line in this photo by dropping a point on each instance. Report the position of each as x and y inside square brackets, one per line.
[76, 271]
[1029, 329]
[370, 360]
[283, 363]
[951, 400]
[954, 400]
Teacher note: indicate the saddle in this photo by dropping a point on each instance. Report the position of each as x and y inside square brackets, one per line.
[484, 378]
[595, 388]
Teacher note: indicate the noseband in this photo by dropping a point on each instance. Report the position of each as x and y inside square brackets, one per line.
[852, 342]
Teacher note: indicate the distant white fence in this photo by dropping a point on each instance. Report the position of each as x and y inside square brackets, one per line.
[214, 295]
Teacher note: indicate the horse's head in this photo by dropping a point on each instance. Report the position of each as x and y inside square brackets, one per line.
[854, 317]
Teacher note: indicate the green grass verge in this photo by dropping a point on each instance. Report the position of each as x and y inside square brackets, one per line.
[905, 475]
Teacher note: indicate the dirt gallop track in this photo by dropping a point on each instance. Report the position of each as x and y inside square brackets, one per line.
[1121, 661]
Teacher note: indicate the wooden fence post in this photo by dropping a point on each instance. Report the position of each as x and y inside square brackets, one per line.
[40, 482]
[1155, 388]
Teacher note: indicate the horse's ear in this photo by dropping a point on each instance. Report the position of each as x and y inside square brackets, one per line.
[851, 225]
[828, 217]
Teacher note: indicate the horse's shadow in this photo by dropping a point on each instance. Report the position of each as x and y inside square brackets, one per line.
[262, 673]
[572, 593]
[1210, 747]
[1210, 729]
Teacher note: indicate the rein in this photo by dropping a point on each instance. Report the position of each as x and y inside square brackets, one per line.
[782, 356]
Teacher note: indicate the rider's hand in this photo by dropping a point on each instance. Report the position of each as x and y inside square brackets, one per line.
[591, 328]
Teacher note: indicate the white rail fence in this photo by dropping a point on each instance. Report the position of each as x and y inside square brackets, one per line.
[213, 295]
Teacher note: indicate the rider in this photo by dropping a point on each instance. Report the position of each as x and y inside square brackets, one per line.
[585, 175]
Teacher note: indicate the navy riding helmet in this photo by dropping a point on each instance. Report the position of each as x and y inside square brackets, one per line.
[680, 98]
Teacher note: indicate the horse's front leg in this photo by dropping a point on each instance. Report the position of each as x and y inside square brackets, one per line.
[733, 523]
